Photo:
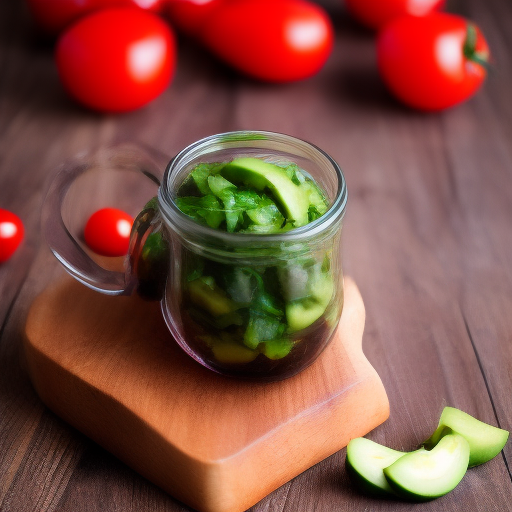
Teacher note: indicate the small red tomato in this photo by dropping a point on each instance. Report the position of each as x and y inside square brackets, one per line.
[271, 40]
[116, 59]
[376, 13]
[107, 232]
[11, 234]
[52, 16]
[189, 16]
[433, 62]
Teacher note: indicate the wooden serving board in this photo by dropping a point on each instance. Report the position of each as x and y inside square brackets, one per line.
[109, 366]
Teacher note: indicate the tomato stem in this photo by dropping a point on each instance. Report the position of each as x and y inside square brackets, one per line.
[469, 48]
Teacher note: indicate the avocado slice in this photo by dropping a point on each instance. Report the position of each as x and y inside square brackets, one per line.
[365, 463]
[233, 353]
[260, 175]
[203, 292]
[302, 313]
[277, 349]
[485, 441]
[423, 475]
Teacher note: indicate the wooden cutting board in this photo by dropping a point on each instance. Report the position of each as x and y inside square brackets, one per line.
[108, 366]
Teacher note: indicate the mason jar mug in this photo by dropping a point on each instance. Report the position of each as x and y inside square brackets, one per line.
[252, 303]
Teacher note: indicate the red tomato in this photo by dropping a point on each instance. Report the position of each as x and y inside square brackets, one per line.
[433, 62]
[52, 16]
[116, 59]
[11, 234]
[189, 16]
[107, 232]
[272, 40]
[376, 13]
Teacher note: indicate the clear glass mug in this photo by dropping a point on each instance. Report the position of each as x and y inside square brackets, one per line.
[257, 306]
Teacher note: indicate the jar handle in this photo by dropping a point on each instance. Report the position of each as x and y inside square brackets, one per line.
[63, 244]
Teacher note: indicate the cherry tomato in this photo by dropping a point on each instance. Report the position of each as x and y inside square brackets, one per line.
[272, 40]
[433, 62]
[376, 13]
[189, 16]
[107, 232]
[52, 16]
[116, 59]
[11, 234]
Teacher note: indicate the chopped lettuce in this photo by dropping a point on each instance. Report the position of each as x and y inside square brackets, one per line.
[247, 311]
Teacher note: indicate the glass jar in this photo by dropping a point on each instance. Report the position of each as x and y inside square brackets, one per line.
[256, 306]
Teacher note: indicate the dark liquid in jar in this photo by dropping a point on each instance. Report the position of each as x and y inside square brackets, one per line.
[306, 348]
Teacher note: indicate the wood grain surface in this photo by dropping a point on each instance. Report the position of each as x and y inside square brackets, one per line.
[427, 238]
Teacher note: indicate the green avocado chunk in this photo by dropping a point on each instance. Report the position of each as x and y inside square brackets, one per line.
[365, 464]
[261, 175]
[204, 293]
[423, 475]
[233, 353]
[485, 441]
[302, 313]
[277, 349]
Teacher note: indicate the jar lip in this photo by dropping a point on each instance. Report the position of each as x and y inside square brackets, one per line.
[186, 224]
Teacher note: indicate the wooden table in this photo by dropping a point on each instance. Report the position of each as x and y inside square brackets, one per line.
[427, 237]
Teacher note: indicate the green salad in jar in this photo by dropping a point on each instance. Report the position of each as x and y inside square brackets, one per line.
[257, 317]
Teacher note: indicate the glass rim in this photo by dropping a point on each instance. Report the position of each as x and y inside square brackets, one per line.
[186, 224]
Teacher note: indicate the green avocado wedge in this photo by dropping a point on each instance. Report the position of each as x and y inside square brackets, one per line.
[423, 475]
[365, 463]
[233, 353]
[485, 441]
[302, 313]
[260, 175]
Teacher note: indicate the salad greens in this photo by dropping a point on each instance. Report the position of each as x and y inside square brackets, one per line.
[249, 200]
[242, 312]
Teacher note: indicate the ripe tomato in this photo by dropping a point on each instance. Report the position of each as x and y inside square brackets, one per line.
[376, 13]
[433, 62]
[272, 40]
[107, 232]
[116, 59]
[190, 15]
[52, 16]
[11, 234]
